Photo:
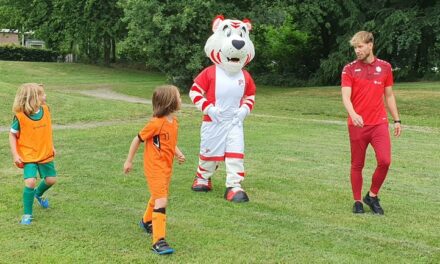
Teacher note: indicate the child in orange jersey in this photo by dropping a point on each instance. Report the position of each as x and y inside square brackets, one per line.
[31, 144]
[160, 137]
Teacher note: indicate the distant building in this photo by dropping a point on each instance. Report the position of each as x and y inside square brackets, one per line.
[8, 36]
[34, 43]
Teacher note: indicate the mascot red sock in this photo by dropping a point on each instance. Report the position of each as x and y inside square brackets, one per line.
[225, 93]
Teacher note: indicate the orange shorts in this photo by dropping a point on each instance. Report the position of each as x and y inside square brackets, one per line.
[158, 185]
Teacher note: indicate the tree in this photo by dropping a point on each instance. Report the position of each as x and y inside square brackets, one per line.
[89, 28]
[13, 15]
[406, 34]
[171, 36]
[104, 25]
[174, 33]
[298, 42]
[280, 57]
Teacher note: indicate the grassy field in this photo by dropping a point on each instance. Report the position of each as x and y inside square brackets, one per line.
[297, 162]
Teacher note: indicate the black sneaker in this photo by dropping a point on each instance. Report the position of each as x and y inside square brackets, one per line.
[147, 227]
[161, 247]
[358, 208]
[373, 203]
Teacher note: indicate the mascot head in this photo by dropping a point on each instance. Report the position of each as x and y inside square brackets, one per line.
[230, 46]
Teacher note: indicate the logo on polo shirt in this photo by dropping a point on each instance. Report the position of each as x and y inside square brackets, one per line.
[377, 82]
[378, 69]
[357, 70]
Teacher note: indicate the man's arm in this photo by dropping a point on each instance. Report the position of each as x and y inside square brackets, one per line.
[390, 101]
[346, 99]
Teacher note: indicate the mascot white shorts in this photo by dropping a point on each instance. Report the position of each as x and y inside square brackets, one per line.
[222, 141]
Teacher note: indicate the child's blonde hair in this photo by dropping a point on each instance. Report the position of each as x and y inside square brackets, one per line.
[166, 100]
[362, 37]
[29, 98]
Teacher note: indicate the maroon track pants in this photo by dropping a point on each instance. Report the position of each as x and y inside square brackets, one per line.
[379, 137]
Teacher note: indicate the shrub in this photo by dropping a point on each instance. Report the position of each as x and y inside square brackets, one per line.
[18, 53]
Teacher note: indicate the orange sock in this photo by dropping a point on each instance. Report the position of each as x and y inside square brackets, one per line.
[148, 215]
[159, 224]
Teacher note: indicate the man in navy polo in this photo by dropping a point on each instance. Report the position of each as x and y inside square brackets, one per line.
[366, 92]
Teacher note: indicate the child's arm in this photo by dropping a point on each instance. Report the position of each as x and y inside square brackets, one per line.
[133, 148]
[14, 152]
[180, 156]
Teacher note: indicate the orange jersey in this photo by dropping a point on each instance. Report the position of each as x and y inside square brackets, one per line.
[160, 137]
[34, 142]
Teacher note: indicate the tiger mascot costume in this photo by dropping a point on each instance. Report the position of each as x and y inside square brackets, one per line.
[225, 93]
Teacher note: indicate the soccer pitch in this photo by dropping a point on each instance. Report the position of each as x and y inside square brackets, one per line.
[297, 164]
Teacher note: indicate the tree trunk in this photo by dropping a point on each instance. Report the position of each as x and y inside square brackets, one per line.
[107, 49]
[113, 59]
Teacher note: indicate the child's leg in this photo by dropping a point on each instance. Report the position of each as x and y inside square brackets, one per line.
[30, 179]
[28, 195]
[159, 219]
[44, 185]
[48, 174]
[148, 215]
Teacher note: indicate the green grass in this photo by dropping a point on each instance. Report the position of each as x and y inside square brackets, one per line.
[297, 162]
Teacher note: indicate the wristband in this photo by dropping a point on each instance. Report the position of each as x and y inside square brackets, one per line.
[397, 121]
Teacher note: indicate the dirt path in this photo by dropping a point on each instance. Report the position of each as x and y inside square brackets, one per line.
[108, 94]
[344, 123]
[112, 95]
[85, 125]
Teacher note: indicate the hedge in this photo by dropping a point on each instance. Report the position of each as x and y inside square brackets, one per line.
[18, 53]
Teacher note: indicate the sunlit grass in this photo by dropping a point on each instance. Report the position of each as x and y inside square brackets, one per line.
[297, 167]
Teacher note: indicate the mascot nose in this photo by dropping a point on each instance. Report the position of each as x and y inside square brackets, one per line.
[238, 44]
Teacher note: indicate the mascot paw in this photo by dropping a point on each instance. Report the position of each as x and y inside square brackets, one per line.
[235, 121]
[235, 194]
[201, 185]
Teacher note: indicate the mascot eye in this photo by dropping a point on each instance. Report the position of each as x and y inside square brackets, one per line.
[243, 32]
[227, 32]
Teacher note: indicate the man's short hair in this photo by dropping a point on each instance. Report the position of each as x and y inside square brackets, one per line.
[362, 37]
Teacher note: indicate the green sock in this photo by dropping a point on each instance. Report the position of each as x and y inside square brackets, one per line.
[42, 187]
[28, 200]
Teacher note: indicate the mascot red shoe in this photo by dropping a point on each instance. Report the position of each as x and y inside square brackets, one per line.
[225, 93]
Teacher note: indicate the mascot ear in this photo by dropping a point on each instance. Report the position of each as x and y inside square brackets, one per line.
[216, 22]
[248, 24]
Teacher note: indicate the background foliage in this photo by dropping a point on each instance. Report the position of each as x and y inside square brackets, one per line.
[298, 42]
